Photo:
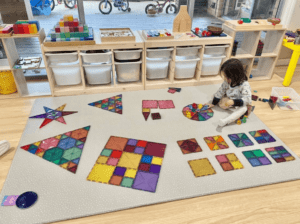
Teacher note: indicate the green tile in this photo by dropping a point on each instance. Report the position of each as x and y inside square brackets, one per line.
[127, 182]
[106, 152]
[258, 153]
[67, 35]
[62, 35]
[273, 153]
[282, 151]
[245, 136]
[248, 154]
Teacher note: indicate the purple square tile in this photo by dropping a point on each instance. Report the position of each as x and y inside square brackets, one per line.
[271, 139]
[120, 171]
[145, 181]
[139, 150]
[205, 115]
[264, 160]
[261, 141]
[132, 142]
[279, 148]
[10, 200]
[286, 155]
[154, 169]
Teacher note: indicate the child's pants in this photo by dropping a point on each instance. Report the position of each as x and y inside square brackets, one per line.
[236, 114]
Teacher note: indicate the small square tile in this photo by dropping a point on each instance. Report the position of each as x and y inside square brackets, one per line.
[249, 154]
[106, 152]
[290, 158]
[201, 167]
[231, 157]
[154, 169]
[116, 180]
[264, 161]
[153, 104]
[166, 104]
[258, 153]
[237, 165]
[144, 167]
[146, 110]
[102, 159]
[156, 160]
[139, 150]
[189, 146]
[155, 149]
[130, 173]
[129, 148]
[216, 143]
[280, 160]
[222, 159]
[116, 143]
[116, 154]
[146, 159]
[127, 182]
[226, 166]
[172, 91]
[155, 116]
[141, 143]
[132, 142]
[112, 161]
[119, 171]
[254, 162]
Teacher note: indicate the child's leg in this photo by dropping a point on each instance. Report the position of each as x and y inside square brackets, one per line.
[234, 116]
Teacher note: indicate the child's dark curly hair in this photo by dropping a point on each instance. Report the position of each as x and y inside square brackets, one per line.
[234, 70]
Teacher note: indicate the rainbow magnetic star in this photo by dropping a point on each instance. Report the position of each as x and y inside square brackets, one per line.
[52, 115]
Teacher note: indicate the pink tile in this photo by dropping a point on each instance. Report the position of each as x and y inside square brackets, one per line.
[222, 159]
[49, 143]
[10, 200]
[171, 91]
[166, 104]
[150, 104]
[112, 161]
[270, 149]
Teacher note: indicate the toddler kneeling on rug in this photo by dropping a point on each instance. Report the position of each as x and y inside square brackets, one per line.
[235, 91]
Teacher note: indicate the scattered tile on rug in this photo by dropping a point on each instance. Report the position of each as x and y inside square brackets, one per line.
[189, 146]
[201, 167]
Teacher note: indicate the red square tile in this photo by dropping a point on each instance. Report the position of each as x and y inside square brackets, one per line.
[129, 148]
[226, 166]
[155, 149]
[144, 167]
[280, 160]
[116, 154]
[142, 143]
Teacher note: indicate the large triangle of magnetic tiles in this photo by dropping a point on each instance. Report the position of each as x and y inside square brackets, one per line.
[112, 104]
[63, 150]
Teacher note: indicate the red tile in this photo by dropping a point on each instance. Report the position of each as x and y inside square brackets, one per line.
[155, 149]
[226, 166]
[280, 160]
[142, 143]
[116, 154]
[144, 167]
[129, 148]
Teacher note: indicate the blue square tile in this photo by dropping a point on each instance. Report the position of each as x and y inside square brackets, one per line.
[146, 159]
[254, 162]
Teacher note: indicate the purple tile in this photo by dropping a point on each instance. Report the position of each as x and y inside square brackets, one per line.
[205, 115]
[132, 142]
[271, 139]
[247, 142]
[80, 146]
[261, 141]
[286, 154]
[264, 160]
[10, 200]
[276, 156]
[120, 171]
[145, 181]
[139, 150]
[39, 116]
[279, 148]
[58, 113]
[154, 168]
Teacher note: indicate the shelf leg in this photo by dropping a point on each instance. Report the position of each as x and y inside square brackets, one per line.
[291, 69]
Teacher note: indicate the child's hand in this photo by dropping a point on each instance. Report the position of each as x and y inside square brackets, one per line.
[229, 103]
[209, 105]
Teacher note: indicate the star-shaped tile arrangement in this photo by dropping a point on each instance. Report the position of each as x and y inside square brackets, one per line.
[52, 115]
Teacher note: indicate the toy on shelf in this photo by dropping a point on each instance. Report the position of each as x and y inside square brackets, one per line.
[6, 30]
[116, 34]
[22, 27]
[26, 63]
[240, 22]
[208, 33]
[274, 21]
[68, 31]
[157, 34]
[182, 22]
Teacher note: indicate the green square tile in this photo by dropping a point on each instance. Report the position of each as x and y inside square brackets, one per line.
[67, 35]
[258, 153]
[106, 152]
[273, 153]
[248, 154]
[72, 35]
[127, 182]
[282, 151]
[62, 35]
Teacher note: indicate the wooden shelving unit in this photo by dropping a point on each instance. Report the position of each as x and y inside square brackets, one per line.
[248, 35]
[185, 40]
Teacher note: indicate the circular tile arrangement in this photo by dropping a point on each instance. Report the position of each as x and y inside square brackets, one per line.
[197, 112]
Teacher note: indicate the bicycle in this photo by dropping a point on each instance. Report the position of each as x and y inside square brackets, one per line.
[68, 3]
[171, 8]
[105, 6]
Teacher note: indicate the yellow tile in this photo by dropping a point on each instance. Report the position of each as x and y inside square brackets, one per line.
[237, 165]
[102, 159]
[216, 147]
[37, 144]
[200, 106]
[130, 173]
[130, 160]
[231, 157]
[99, 105]
[201, 167]
[216, 138]
[289, 158]
[58, 137]
[41, 154]
[101, 173]
[157, 160]
[65, 165]
[61, 108]
[146, 109]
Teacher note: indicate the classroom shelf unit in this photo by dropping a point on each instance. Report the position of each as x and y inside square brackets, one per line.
[249, 35]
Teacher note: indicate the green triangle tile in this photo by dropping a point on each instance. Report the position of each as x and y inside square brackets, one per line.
[244, 136]
[252, 133]
[79, 143]
[56, 161]
[87, 128]
[236, 143]
[240, 135]
[62, 161]
[64, 136]
[241, 144]
[210, 114]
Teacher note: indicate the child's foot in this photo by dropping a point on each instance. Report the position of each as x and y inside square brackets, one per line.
[222, 123]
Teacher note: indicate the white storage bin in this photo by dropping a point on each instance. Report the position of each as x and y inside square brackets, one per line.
[280, 92]
[98, 74]
[62, 57]
[128, 71]
[159, 53]
[96, 57]
[66, 74]
[188, 51]
[185, 69]
[211, 65]
[157, 69]
[128, 54]
[217, 50]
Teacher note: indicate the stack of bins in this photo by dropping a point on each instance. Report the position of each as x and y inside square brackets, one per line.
[186, 62]
[212, 59]
[128, 65]
[65, 67]
[158, 61]
[97, 66]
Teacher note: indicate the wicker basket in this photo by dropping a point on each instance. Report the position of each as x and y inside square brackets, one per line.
[7, 82]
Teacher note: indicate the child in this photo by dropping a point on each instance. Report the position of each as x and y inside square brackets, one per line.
[234, 92]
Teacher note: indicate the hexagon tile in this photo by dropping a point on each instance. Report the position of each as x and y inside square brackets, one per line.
[64, 150]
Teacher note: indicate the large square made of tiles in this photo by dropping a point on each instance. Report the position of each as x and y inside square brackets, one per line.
[129, 163]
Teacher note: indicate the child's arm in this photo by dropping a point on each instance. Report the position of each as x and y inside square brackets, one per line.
[220, 93]
[246, 96]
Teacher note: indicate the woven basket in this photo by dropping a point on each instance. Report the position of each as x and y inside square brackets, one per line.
[7, 83]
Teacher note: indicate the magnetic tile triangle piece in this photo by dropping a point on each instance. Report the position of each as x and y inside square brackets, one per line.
[240, 135]
[61, 108]
[61, 120]
[39, 116]
[195, 117]
[146, 115]
[65, 113]
[87, 128]
[25, 147]
[48, 110]
[236, 143]
[257, 134]
[46, 121]
[201, 118]
[241, 144]
[73, 169]
[244, 136]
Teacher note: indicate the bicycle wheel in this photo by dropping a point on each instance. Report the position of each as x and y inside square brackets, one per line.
[125, 5]
[70, 3]
[171, 9]
[105, 8]
[150, 7]
[52, 5]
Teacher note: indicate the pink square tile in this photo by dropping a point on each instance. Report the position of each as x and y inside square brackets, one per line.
[270, 149]
[222, 159]
[10, 200]
[150, 104]
[171, 91]
[112, 161]
[166, 104]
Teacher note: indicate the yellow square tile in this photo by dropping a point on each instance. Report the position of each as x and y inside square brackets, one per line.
[157, 160]
[289, 158]
[130, 160]
[231, 157]
[102, 159]
[201, 167]
[146, 109]
[101, 173]
[237, 165]
[130, 173]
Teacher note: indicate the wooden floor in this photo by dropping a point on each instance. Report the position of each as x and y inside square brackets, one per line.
[278, 203]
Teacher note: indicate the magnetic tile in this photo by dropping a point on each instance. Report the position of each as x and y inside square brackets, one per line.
[130, 173]
[116, 154]
[115, 180]
[102, 159]
[129, 148]
[231, 157]
[119, 171]
[189, 146]
[9, 200]
[145, 181]
[112, 161]
[116, 143]
[201, 167]
[139, 150]
[146, 159]
[130, 160]
[237, 165]
[226, 166]
[132, 142]
[264, 160]
[222, 159]
[258, 153]
[150, 104]
[280, 160]
[141, 143]
[154, 168]
[254, 162]
[156, 160]
[155, 116]
[290, 158]
[144, 167]
[166, 104]
[155, 149]
[146, 110]
[127, 182]
[101, 173]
